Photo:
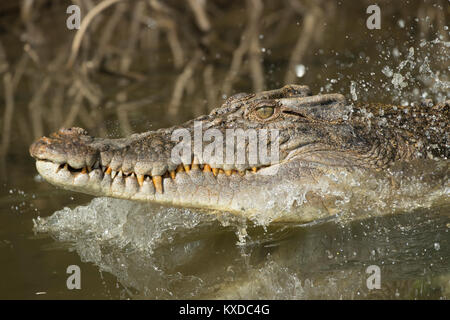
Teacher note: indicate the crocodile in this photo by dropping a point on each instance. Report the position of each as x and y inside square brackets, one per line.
[314, 138]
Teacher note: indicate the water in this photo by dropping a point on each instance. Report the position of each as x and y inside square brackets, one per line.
[131, 250]
[167, 253]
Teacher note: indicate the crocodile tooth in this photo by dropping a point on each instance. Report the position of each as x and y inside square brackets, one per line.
[206, 168]
[59, 168]
[131, 185]
[83, 171]
[228, 172]
[241, 173]
[113, 173]
[118, 184]
[66, 166]
[108, 170]
[172, 174]
[180, 168]
[215, 171]
[140, 179]
[187, 168]
[157, 181]
[89, 168]
[254, 169]
[80, 179]
[148, 187]
[195, 164]
[221, 171]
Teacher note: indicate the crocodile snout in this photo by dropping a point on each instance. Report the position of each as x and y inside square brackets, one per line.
[69, 146]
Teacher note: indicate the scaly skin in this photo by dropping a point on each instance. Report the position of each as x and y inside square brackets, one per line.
[318, 135]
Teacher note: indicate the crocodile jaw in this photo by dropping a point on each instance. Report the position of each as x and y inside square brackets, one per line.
[196, 188]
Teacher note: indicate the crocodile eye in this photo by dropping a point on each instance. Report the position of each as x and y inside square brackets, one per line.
[265, 112]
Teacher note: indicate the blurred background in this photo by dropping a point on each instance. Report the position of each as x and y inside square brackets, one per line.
[137, 65]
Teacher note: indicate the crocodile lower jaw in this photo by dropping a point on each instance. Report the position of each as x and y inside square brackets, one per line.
[167, 189]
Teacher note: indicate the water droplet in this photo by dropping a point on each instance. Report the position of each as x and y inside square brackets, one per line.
[300, 70]
[353, 91]
[387, 71]
[396, 52]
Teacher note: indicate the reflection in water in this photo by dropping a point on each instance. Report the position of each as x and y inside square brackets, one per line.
[176, 253]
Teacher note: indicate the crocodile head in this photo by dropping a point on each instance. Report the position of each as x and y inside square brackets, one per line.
[217, 161]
